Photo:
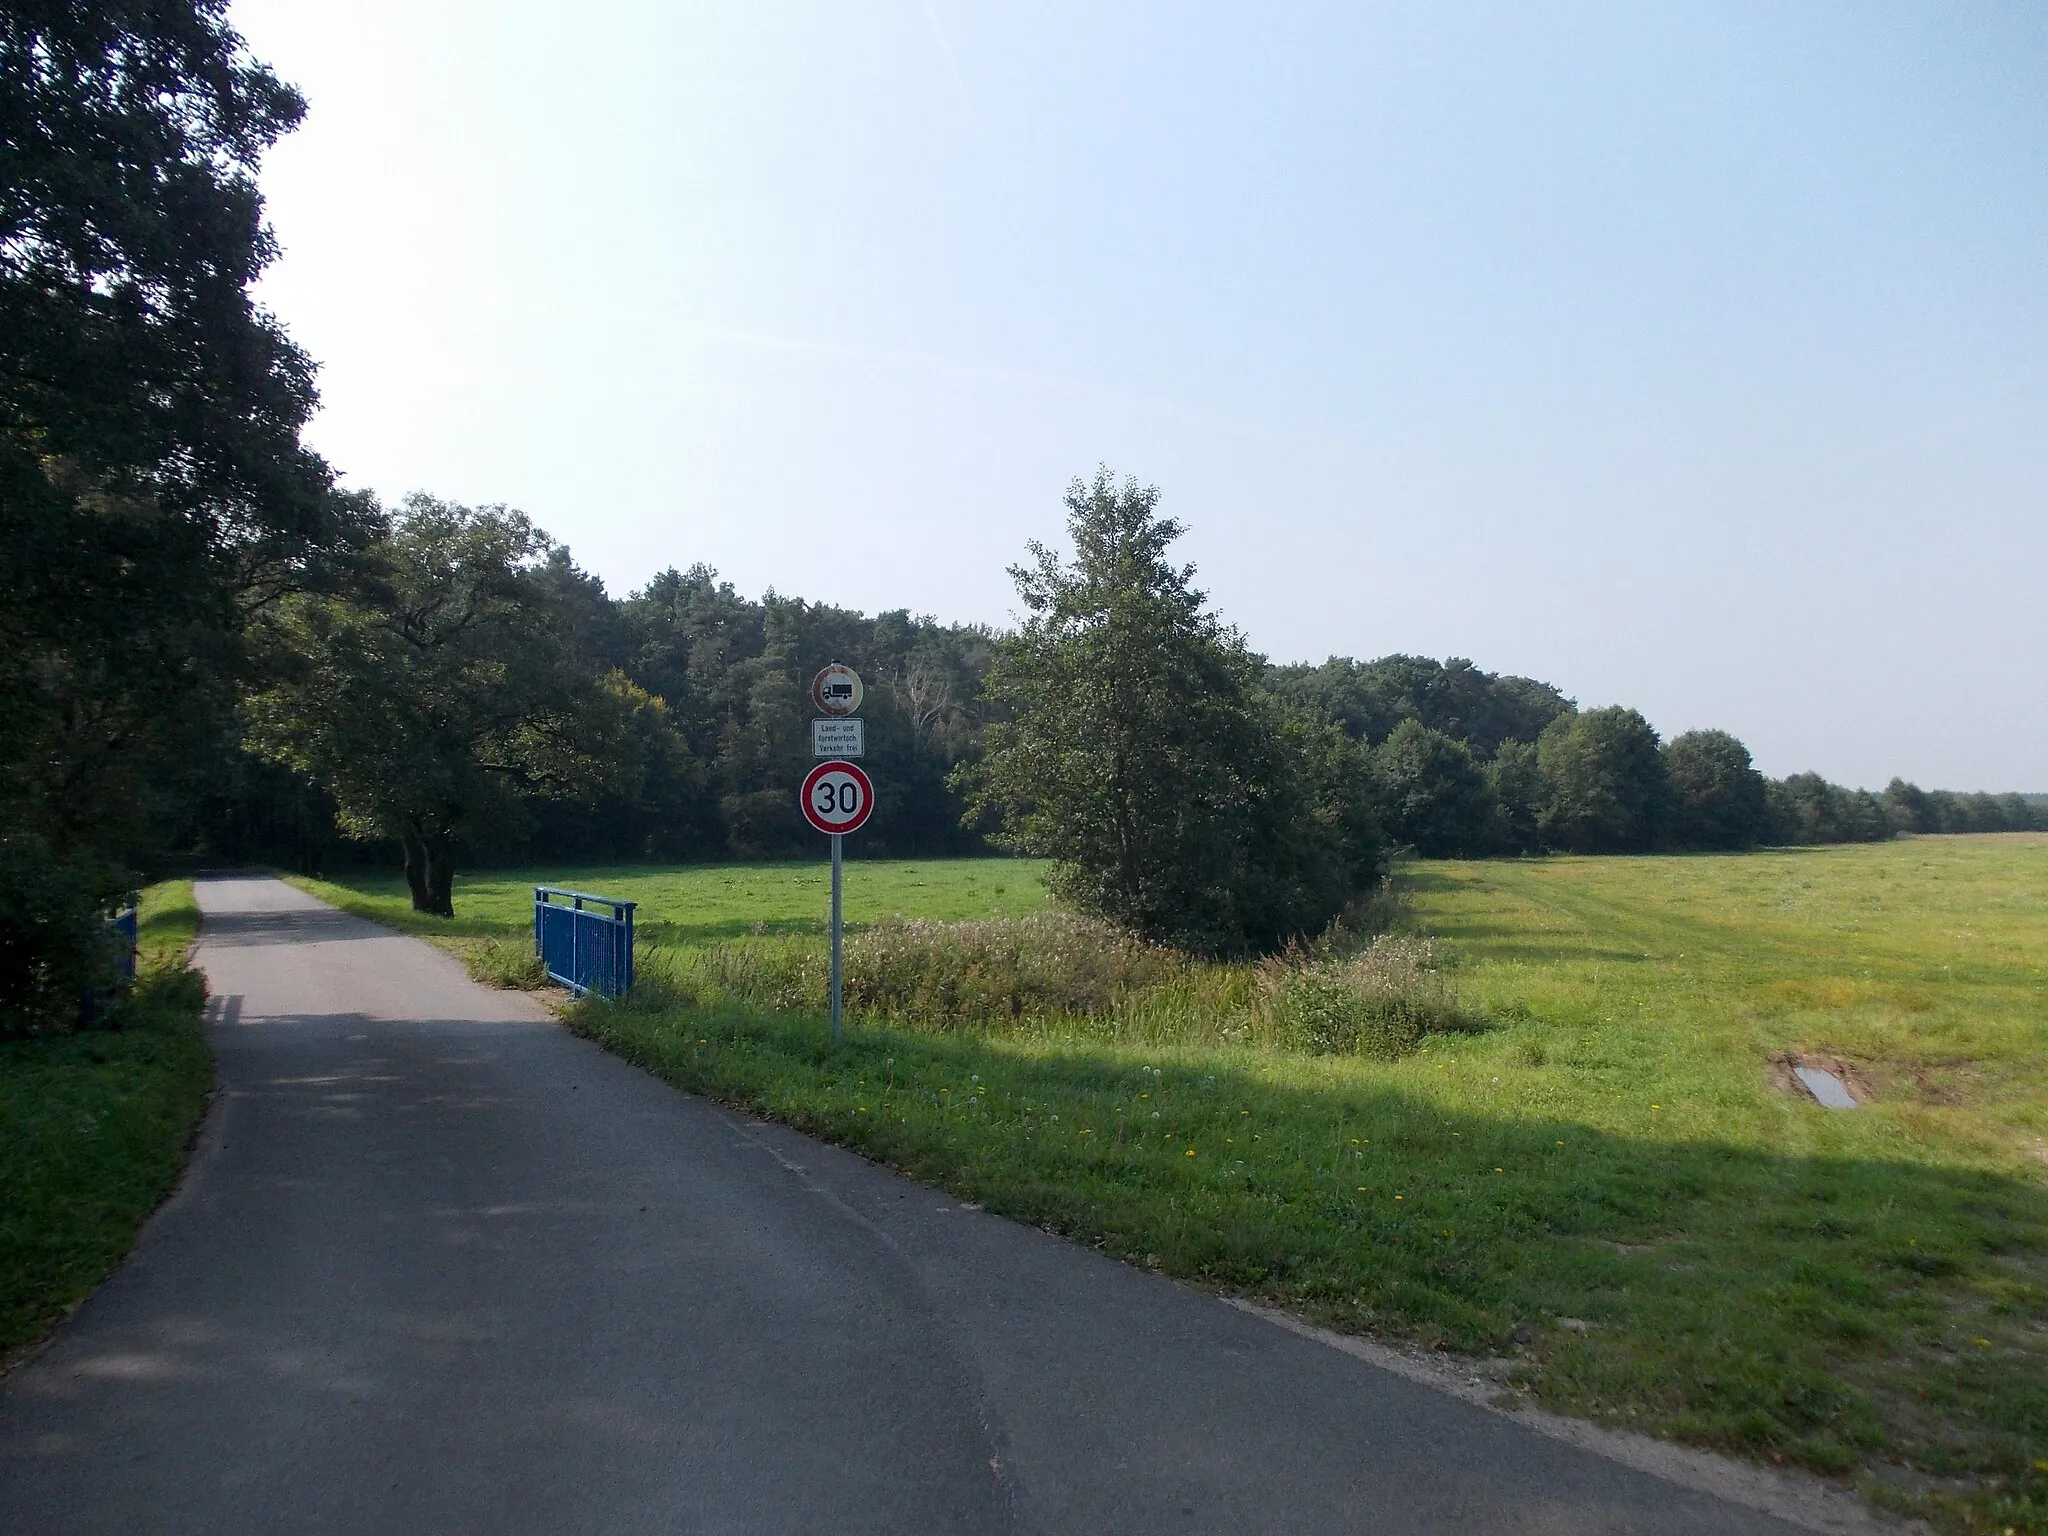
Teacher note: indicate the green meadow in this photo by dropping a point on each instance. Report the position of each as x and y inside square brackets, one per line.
[703, 903]
[1605, 1182]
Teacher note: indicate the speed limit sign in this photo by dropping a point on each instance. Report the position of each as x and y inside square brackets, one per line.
[837, 797]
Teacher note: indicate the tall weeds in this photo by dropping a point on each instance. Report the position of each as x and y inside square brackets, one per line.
[1064, 974]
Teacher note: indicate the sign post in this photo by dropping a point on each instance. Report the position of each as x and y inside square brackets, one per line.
[837, 796]
[836, 799]
[838, 927]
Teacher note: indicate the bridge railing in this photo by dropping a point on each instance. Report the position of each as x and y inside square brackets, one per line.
[585, 942]
[121, 938]
[124, 928]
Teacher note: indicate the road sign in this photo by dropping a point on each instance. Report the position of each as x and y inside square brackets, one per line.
[837, 690]
[839, 738]
[837, 797]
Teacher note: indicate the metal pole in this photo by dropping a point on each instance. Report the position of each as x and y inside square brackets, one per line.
[837, 839]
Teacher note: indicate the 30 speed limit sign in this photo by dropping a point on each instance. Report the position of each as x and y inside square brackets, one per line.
[837, 797]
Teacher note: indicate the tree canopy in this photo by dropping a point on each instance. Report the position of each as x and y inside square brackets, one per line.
[1433, 795]
[1135, 748]
[451, 688]
[152, 481]
[1718, 799]
[1604, 782]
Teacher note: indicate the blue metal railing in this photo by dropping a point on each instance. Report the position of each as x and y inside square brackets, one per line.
[121, 930]
[123, 925]
[583, 949]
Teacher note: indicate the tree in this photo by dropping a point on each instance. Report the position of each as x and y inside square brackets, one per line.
[1806, 808]
[1432, 795]
[1371, 699]
[1909, 807]
[1718, 798]
[1516, 778]
[152, 485]
[449, 691]
[1604, 782]
[1137, 751]
[736, 674]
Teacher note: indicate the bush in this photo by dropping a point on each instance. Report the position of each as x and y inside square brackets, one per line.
[989, 972]
[944, 974]
[1380, 1003]
[1078, 972]
[55, 946]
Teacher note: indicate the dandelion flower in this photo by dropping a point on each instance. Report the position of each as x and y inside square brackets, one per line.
[1191, 1151]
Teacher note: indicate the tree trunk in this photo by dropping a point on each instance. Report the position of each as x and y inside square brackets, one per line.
[441, 874]
[414, 849]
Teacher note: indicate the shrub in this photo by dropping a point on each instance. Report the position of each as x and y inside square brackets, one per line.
[1379, 1003]
[943, 974]
[1081, 973]
[55, 946]
[989, 972]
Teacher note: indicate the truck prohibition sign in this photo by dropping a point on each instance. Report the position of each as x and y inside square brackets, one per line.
[837, 797]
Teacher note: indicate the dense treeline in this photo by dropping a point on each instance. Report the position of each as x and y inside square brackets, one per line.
[1472, 763]
[708, 731]
[1454, 760]
[476, 695]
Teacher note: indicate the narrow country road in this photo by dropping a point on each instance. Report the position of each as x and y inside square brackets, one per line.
[439, 1266]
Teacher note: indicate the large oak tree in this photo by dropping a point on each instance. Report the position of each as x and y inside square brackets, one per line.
[152, 482]
[450, 688]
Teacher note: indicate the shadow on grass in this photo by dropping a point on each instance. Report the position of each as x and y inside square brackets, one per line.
[1830, 1310]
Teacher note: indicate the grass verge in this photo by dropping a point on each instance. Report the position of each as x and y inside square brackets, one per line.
[95, 1126]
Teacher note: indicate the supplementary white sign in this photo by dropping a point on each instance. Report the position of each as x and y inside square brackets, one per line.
[839, 738]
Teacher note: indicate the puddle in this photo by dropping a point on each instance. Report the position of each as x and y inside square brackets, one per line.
[1826, 1087]
[1821, 1079]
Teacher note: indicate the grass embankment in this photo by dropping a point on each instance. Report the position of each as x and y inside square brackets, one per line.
[1607, 1189]
[94, 1128]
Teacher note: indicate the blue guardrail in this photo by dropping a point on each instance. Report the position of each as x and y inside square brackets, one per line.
[123, 924]
[584, 949]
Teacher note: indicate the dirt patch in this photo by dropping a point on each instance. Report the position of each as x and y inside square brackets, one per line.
[1854, 1076]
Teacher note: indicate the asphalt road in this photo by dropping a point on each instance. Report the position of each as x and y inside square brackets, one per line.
[439, 1266]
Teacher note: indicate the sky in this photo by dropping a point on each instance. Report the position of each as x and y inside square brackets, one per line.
[1688, 356]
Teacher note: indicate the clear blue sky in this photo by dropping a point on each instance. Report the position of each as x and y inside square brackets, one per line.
[1690, 356]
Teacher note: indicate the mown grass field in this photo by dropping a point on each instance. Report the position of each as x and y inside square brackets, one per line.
[1608, 1190]
[704, 903]
[94, 1128]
